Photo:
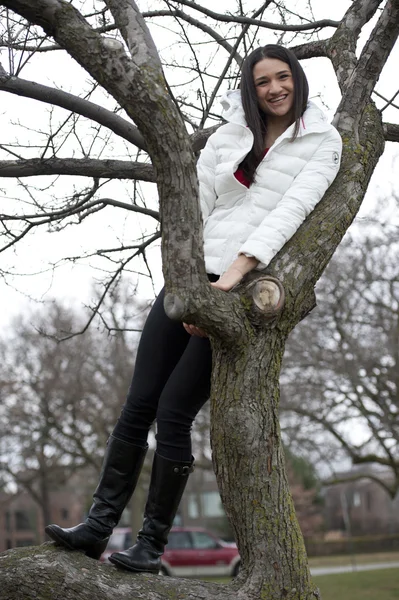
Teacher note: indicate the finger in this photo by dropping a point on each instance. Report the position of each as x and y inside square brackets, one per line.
[191, 329]
[221, 286]
[199, 332]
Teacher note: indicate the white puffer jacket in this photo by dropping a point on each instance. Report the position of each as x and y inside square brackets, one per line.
[289, 182]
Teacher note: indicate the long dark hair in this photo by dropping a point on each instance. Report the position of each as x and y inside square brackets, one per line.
[256, 119]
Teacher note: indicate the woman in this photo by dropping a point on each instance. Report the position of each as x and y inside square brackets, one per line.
[260, 175]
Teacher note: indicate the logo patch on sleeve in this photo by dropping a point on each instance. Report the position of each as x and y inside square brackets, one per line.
[335, 158]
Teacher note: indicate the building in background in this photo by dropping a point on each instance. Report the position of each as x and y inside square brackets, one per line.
[21, 520]
[360, 506]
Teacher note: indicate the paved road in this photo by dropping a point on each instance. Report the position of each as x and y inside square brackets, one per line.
[353, 568]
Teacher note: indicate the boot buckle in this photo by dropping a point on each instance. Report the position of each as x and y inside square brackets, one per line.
[184, 471]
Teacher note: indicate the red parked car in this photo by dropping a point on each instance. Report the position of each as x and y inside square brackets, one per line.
[191, 552]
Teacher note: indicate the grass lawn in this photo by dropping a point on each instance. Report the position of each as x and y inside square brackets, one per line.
[381, 584]
[366, 585]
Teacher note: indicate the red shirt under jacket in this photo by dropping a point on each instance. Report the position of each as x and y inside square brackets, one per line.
[239, 174]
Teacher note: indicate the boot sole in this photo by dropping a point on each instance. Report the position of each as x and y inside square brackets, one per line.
[61, 542]
[122, 565]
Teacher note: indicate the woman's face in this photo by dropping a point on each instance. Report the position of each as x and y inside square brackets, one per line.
[274, 87]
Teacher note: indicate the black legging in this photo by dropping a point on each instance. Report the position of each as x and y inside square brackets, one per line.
[171, 383]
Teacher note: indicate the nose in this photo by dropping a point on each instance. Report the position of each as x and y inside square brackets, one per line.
[275, 87]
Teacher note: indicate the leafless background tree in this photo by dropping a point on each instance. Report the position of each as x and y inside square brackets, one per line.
[113, 45]
[60, 400]
[341, 366]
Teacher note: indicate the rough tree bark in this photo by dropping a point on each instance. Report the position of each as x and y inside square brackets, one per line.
[49, 573]
[247, 350]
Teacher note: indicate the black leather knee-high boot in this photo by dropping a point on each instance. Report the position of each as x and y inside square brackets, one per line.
[168, 481]
[119, 475]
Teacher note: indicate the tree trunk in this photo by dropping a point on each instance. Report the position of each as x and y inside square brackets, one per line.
[247, 448]
[49, 573]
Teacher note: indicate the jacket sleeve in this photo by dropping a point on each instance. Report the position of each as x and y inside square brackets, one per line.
[307, 189]
[206, 176]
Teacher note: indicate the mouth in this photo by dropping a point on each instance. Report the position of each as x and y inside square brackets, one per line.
[278, 100]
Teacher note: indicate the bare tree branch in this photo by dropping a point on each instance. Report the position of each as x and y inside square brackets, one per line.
[378, 47]
[374, 55]
[108, 28]
[88, 577]
[343, 43]
[391, 132]
[82, 167]
[90, 110]
[374, 458]
[390, 102]
[391, 490]
[328, 427]
[249, 21]
[196, 23]
[44, 218]
[109, 284]
[314, 49]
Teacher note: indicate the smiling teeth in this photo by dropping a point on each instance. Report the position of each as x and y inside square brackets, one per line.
[278, 99]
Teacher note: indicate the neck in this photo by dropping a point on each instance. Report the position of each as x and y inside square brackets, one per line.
[275, 128]
[277, 125]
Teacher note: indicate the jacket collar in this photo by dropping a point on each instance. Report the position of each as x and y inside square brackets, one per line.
[313, 120]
